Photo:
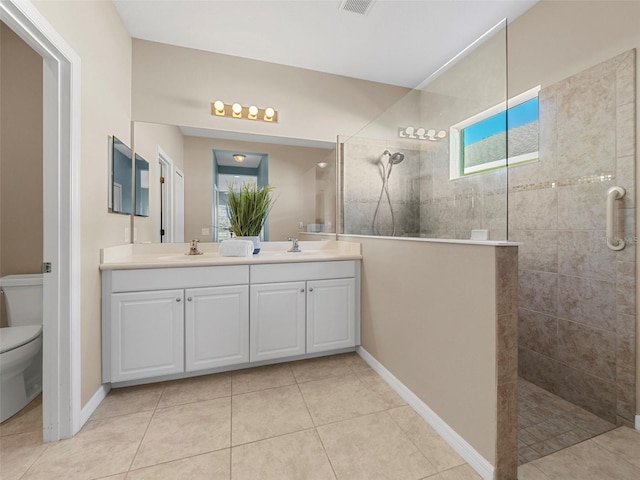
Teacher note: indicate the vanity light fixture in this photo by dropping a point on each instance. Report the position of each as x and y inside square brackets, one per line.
[236, 110]
[421, 133]
[238, 157]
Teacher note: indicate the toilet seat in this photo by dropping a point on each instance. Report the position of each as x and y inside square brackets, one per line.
[15, 337]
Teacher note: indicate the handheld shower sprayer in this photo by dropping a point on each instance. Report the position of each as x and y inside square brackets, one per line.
[393, 159]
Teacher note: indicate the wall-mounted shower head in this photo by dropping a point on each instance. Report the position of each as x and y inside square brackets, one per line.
[396, 158]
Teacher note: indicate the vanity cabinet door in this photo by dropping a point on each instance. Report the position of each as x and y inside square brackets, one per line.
[216, 327]
[331, 314]
[277, 320]
[147, 338]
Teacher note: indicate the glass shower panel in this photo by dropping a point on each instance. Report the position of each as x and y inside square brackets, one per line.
[404, 173]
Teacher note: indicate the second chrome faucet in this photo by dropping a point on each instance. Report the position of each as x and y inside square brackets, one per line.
[294, 245]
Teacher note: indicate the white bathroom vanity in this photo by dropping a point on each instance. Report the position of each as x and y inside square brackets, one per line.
[168, 315]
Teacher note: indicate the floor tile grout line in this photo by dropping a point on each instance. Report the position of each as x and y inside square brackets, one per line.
[153, 414]
[231, 432]
[304, 400]
[410, 439]
[611, 452]
[34, 462]
[324, 448]
[173, 460]
[193, 402]
[263, 389]
[271, 438]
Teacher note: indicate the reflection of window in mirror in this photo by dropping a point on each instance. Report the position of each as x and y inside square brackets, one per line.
[142, 186]
[121, 185]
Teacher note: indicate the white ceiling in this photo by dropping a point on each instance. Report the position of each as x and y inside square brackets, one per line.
[398, 42]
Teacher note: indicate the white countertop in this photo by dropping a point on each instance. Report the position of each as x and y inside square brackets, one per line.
[172, 255]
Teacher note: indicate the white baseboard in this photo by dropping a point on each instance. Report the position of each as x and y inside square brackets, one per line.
[638, 422]
[484, 468]
[92, 404]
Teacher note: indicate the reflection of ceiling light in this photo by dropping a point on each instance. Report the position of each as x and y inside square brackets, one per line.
[421, 133]
[237, 110]
[323, 164]
[238, 157]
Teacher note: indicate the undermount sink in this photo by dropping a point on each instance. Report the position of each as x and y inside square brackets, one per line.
[183, 256]
[300, 253]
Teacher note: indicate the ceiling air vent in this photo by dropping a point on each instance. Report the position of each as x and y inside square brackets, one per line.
[361, 7]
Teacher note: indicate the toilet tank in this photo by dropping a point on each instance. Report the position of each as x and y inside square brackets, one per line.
[23, 298]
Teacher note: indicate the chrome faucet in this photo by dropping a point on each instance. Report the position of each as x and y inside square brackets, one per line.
[294, 245]
[193, 249]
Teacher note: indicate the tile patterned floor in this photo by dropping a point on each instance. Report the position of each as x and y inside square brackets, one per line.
[614, 455]
[327, 418]
[547, 423]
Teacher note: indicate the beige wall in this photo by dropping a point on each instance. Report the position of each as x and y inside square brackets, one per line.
[556, 39]
[287, 168]
[176, 85]
[147, 138]
[20, 157]
[96, 33]
[415, 323]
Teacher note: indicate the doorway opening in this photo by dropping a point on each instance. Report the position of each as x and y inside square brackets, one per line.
[62, 415]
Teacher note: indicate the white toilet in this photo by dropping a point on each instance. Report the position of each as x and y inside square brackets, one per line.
[20, 343]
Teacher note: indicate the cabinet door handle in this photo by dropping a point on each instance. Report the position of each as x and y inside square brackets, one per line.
[189, 299]
[302, 290]
[311, 289]
[178, 299]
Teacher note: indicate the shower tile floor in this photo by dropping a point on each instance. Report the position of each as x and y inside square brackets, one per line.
[548, 423]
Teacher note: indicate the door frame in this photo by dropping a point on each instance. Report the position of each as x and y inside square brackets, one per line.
[178, 214]
[61, 402]
[164, 161]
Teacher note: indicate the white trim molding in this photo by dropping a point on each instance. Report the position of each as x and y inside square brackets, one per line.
[61, 209]
[638, 422]
[94, 402]
[481, 465]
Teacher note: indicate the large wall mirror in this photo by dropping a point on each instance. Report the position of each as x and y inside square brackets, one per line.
[190, 170]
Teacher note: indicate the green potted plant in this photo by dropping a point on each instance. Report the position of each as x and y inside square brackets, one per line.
[248, 208]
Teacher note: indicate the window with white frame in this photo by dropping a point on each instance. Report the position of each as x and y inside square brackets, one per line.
[500, 136]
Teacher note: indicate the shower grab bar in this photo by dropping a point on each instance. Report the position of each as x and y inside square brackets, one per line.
[613, 194]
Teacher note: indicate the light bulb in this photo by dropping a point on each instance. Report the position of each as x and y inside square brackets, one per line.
[253, 112]
[322, 164]
[431, 132]
[236, 108]
[420, 132]
[219, 107]
[441, 134]
[238, 157]
[269, 113]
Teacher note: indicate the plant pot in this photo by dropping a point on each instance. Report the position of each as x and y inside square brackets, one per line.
[256, 243]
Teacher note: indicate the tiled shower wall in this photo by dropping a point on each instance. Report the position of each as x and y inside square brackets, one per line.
[577, 297]
[425, 202]
[452, 208]
[363, 182]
